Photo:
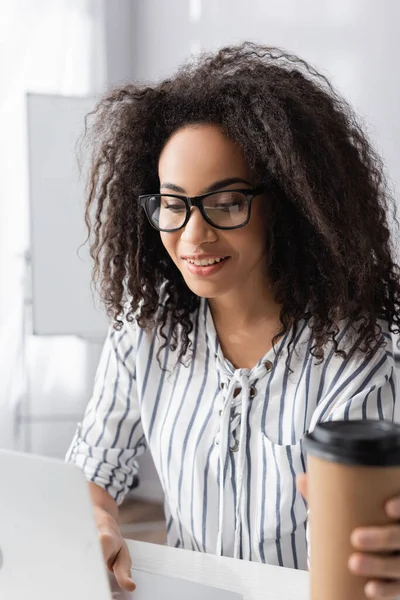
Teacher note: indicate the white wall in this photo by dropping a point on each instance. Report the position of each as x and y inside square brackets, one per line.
[355, 42]
[119, 29]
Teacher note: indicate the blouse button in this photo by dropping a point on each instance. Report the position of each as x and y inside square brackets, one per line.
[268, 366]
[234, 448]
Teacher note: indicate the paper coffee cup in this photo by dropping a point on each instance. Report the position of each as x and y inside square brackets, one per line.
[353, 469]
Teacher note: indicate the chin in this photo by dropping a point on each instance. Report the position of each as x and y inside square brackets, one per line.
[205, 289]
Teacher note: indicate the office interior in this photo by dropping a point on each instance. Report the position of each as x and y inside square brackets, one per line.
[78, 49]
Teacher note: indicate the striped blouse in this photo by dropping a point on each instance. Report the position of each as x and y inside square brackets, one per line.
[226, 442]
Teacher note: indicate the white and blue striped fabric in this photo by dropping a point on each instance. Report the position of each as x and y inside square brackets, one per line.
[227, 443]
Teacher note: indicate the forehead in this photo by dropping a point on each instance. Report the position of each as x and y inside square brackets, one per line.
[199, 155]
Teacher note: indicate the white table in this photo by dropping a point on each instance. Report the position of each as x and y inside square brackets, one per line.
[253, 580]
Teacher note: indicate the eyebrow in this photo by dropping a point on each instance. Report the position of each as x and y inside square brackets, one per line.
[218, 185]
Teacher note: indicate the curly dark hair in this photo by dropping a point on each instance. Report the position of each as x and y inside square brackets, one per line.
[329, 248]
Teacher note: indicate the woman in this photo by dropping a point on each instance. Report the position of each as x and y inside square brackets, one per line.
[240, 234]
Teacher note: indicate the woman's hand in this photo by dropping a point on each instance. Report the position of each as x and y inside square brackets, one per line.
[115, 551]
[370, 543]
[380, 569]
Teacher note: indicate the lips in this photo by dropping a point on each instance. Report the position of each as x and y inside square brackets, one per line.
[205, 262]
[204, 267]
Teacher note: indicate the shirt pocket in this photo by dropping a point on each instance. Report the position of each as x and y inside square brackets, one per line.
[281, 508]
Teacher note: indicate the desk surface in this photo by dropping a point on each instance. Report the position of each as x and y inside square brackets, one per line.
[253, 580]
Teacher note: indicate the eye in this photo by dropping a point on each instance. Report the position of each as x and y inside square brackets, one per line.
[227, 202]
[172, 204]
[174, 207]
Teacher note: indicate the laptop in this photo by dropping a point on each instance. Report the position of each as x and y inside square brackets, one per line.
[49, 547]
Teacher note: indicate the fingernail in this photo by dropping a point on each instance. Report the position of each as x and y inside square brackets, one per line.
[353, 562]
[362, 538]
[360, 564]
[393, 509]
[370, 590]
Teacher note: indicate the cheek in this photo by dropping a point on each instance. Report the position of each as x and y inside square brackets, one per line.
[258, 228]
[170, 243]
[250, 242]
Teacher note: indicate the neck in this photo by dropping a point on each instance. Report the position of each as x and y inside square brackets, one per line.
[245, 306]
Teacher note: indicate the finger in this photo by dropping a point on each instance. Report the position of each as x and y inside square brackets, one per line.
[108, 547]
[122, 570]
[302, 485]
[381, 589]
[393, 508]
[376, 567]
[385, 538]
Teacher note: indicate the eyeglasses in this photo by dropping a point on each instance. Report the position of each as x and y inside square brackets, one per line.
[227, 209]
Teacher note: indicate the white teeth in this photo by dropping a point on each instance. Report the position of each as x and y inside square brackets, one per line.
[204, 262]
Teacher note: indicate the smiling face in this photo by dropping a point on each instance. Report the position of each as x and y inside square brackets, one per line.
[214, 262]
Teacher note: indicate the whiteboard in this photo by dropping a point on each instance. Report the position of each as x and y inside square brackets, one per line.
[62, 296]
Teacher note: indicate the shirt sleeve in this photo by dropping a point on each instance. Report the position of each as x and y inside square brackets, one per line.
[362, 388]
[110, 437]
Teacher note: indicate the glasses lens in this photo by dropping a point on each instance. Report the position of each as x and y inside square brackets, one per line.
[226, 209]
[166, 212]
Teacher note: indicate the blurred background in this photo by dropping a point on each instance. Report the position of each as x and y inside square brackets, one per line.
[57, 58]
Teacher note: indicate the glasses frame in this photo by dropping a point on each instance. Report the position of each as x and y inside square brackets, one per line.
[197, 201]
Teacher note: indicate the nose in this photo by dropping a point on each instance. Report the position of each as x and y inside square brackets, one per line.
[197, 231]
